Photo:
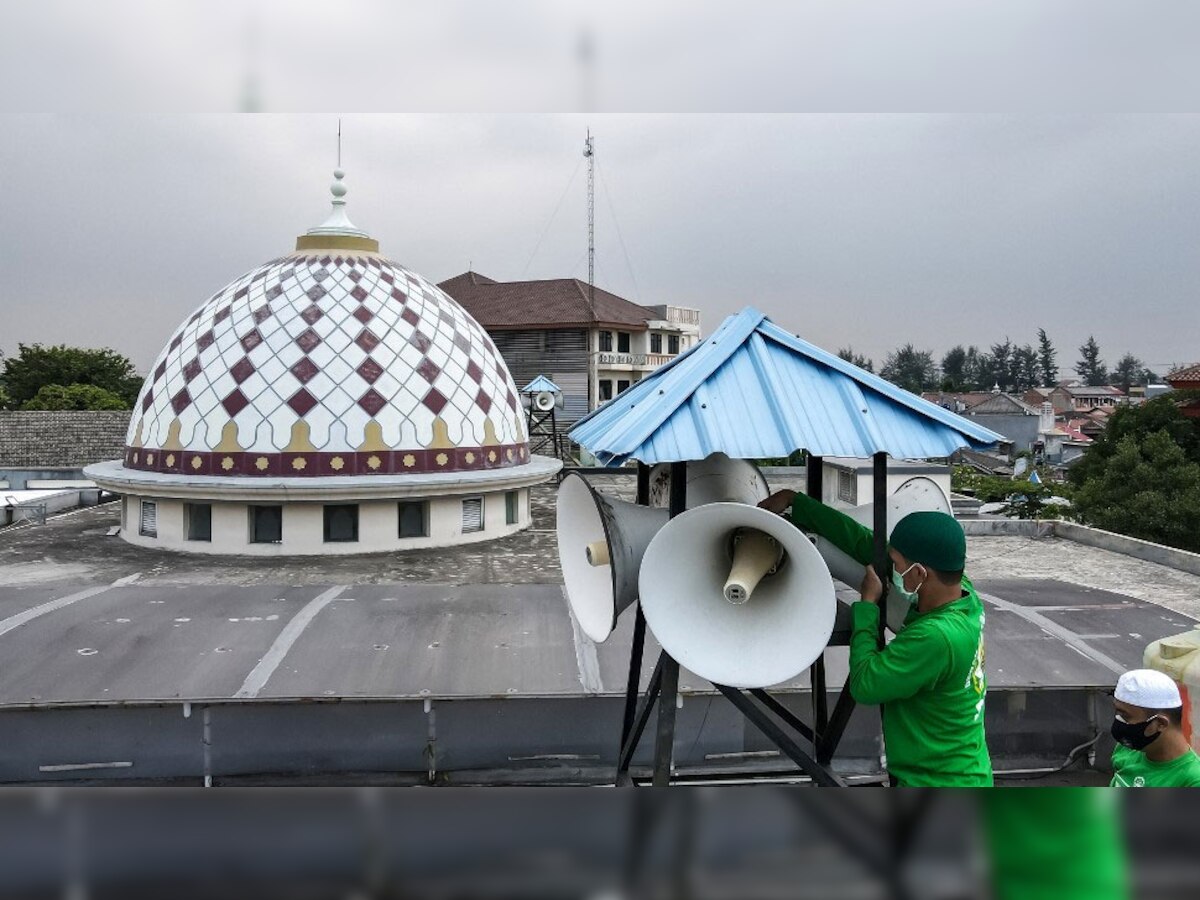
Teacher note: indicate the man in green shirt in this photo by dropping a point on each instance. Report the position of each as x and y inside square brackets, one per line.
[1152, 750]
[929, 678]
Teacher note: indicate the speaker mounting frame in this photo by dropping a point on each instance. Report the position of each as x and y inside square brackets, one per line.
[783, 728]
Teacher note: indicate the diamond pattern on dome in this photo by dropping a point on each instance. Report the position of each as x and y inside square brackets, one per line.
[242, 369]
[302, 401]
[367, 340]
[304, 370]
[338, 343]
[369, 370]
[308, 340]
[372, 401]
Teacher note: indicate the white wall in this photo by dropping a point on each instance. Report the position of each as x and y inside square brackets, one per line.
[304, 526]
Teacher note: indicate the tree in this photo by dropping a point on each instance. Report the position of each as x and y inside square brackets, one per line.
[1090, 367]
[1025, 368]
[910, 369]
[36, 366]
[855, 359]
[954, 376]
[1129, 371]
[1149, 489]
[1139, 422]
[1002, 360]
[1047, 367]
[976, 369]
[74, 396]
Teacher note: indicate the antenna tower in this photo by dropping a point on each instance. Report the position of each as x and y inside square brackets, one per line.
[589, 152]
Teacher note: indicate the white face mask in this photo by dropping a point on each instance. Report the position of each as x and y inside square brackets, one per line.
[898, 584]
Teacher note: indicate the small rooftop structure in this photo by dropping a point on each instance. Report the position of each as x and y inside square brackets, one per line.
[541, 383]
[794, 395]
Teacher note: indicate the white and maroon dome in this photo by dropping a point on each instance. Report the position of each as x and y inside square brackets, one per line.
[328, 362]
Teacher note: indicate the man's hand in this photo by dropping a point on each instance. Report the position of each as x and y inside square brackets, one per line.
[871, 589]
[778, 502]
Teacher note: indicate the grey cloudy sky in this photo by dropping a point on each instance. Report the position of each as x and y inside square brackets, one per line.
[868, 230]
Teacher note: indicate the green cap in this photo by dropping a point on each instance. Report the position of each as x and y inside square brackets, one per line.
[932, 539]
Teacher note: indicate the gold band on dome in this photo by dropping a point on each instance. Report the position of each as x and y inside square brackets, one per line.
[336, 242]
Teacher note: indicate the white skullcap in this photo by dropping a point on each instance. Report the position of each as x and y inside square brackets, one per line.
[1149, 689]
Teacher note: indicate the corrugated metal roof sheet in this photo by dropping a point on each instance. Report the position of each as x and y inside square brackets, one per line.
[541, 383]
[752, 390]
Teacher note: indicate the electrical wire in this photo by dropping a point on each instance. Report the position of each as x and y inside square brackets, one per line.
[637, 294]
[553, 216]
[1072, 758]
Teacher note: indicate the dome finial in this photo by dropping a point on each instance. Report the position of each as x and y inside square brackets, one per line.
[337, 225]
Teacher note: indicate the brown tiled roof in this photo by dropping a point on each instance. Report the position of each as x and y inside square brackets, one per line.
[1001, 404]
[1187, 374]
[947, 398]
[553, 303]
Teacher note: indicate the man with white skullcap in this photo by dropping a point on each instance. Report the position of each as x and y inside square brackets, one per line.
[1152, 750]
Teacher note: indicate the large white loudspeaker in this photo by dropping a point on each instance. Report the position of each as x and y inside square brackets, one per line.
[600, 545]
[737, 595]
[543, 401]
[714, 479]
[915, 495]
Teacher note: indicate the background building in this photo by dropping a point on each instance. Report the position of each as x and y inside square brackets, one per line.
[590, 342]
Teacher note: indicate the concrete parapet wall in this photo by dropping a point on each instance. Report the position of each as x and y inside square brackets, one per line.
[1091, 537]
[1120, 543]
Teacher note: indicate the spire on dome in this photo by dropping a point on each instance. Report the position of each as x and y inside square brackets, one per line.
[337, 232]
[337, 221]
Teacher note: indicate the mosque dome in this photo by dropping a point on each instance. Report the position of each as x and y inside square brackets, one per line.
[326, 402]
[330, 361]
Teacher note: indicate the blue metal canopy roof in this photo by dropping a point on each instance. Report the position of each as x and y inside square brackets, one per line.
[753, 391]
[541, 383]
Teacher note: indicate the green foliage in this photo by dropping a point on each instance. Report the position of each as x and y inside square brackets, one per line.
[1022, 498]
[1139, 422]
[74, 396]
[5, 400]
[911, 369]
[1047, 367]
[856, 359]
[36, 366]
[1147, 488]
[1090, 367]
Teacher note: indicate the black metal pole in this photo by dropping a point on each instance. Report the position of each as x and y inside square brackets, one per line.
[665, 739]
[633, 684]
[882, 564]
[814, 474]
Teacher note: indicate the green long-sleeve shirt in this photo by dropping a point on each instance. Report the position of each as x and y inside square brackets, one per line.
[929, 679]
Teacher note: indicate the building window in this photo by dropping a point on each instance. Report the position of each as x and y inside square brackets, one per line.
[606, 341]
[656, 343]
[511, 507]
[198, 521]
[472, 514]
[341, 523]
[622, 385]
[605, 390]
[148, 526]
[847, 487]
[414, 518]
[622, 341]
[266, 524]
[672, 344]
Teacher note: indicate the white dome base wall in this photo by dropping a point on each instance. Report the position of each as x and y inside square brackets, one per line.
[303, 526]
